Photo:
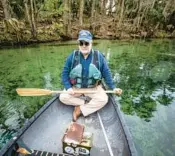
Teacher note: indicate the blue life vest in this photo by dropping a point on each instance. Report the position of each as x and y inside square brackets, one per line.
[94, 75]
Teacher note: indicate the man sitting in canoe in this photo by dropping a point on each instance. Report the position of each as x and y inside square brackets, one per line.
[84, 70]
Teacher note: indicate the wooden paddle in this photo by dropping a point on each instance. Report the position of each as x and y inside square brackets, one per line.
[41, 92]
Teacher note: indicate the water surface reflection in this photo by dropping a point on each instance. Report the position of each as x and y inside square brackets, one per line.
[144, 70]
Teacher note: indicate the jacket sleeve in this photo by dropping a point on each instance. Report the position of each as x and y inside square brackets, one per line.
[65, 72]
[106, 73]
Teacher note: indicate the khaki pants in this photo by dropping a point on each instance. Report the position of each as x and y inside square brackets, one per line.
[98, 100]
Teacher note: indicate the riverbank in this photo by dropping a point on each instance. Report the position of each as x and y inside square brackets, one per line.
[14, 32]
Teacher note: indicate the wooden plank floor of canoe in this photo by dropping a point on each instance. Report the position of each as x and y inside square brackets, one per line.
[46, 133]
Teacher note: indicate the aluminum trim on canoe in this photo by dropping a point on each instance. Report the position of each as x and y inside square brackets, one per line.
[125, 128]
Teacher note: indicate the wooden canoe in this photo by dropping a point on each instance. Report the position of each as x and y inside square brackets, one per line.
[44, 131]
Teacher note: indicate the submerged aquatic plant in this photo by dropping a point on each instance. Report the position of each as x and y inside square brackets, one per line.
[161, 72]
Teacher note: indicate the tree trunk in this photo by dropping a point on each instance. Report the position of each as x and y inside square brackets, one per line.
[153, 4]
[81, 12]
[66, 17]
[118, 6]
[143, 15]
[110, 6]
[6, 9]
[137, 18]
[70, 16]
[121, 13]
[92, 9]
[1, 12]
[34, 33]
[102, 7]
[93, 16]
[27, 15]
[35, 11]
[168, 7]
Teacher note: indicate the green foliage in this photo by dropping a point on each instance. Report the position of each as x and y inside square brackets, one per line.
[161, 34]
[145, 107]
[142, 107]
[15, 28]
[33, 104]
[51, 5]
[160, 72]
[51, 9]
[155, 15]
[165, 99]
[131, 10]
[46, 11]
[18, 7]
[135, 69]
[57, 27]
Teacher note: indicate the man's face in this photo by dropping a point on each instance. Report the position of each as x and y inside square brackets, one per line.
[85, 47]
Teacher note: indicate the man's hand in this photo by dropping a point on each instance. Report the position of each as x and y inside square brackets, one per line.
[118, 91]
[70, 91]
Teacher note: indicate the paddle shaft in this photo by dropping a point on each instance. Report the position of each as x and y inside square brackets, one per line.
[82, 92]
[41, 92]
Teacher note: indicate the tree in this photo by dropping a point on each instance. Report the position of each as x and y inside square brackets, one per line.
[122, 5]
[1, 11]
[169, 7]
[67, 17]
[30, 16]
[110, 6]
[81, 10]
[92, 14]
[27, 15]
[6, 9]
[33, 24]
[102, 6]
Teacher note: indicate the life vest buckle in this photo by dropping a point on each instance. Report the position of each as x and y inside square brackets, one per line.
[73, 81]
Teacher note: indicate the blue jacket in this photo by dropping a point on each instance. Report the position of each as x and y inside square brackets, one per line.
[104, 69]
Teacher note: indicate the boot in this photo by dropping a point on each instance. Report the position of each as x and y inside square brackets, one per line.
[76, 113]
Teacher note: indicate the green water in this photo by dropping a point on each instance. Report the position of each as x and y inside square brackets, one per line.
[144, 70]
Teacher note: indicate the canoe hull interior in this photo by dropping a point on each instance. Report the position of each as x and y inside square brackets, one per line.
[46, 132]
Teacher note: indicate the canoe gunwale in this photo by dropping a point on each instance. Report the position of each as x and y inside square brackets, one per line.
[124, 127]
[12, 141]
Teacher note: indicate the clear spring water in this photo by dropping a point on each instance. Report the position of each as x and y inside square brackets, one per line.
[145, 70]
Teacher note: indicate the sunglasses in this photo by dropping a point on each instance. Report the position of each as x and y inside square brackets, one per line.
[83, 43]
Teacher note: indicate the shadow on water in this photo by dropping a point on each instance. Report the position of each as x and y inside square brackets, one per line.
[144, 70]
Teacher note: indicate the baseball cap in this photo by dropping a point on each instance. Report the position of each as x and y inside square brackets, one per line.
[85, 35]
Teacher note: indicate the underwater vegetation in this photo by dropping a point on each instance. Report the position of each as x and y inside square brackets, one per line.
[143, 70]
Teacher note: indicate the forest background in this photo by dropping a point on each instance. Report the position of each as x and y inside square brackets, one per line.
[28, 21]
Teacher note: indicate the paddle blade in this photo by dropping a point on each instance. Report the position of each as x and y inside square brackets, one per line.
[33, 92]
